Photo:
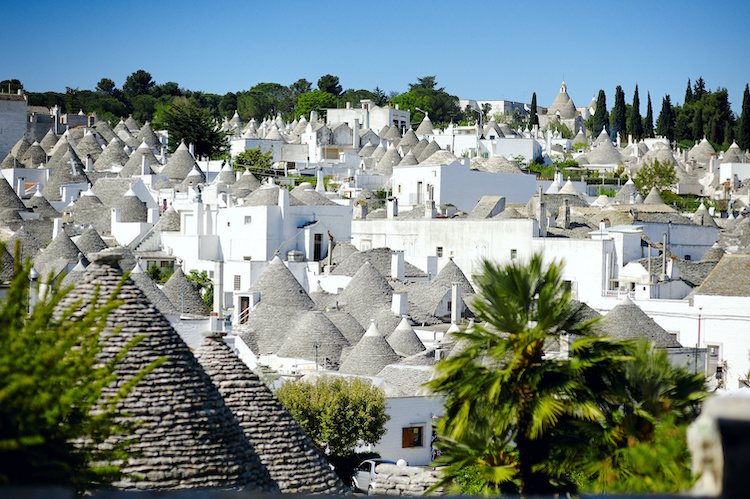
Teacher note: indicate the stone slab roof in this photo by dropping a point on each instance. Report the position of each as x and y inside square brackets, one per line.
[178, 415]
[291, 458]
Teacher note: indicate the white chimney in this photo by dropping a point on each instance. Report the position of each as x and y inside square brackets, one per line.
[145, 167]
[191, 148]
[391, 207]
[397, 265]
[456, 303]
[400, 303]
[56, 227]
[89, 163]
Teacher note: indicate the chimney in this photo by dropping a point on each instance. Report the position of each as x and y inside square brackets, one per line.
[89, 163]
[219, 288]
[397, 265]
[566, 214]
[355, 134]
[400, 303]
[360, 210]
[672, 270]
[320, 184]
[456, 303]
[191, 148]
[664, 256]
[542, 214]
[56, 227]
[348, 105]
[21, 186]
[391, 207]
[145, 167]
[429, 209]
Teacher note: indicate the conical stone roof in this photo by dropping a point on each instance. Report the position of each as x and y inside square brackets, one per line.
[180, 164]
[419, 147]
[30, 245]
[55, 257]
[90, 242]
[39, 205]
[346, 323]
[105, 130]
[10, 162]
[113, 155]
[654, 198]
[132, 125]
[48, 141]
[370, 355]
[63, 174]
[155, 295]
[183, 294]
[701, 153]
[246, 181]
[408, 160]
[34, 156]
[424, 128]
[428, 151]
[291, 458]
[366, 292]
[187, 436]
[20, 147]
[134, 165]
[146, 134]
[88, 146]
[169, 221]
[132, 209]
[404, 340]
[627, 321]
[310, 329]
[9, 200]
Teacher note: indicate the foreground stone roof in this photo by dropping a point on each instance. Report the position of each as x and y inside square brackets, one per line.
[187, 436]
[290, 456]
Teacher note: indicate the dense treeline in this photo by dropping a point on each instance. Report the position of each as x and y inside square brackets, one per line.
[141, 97]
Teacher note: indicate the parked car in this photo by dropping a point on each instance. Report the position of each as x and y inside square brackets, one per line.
[364, 475]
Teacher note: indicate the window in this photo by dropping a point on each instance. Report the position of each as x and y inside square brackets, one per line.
[687, 258]
[237, 282]
[412, 437]
[713, 359]
[439, 251]
[248, 219]
[228, 223]
[513, 254]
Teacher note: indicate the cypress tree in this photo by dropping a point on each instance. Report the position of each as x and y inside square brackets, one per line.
[533, 118]
[636, 122]
[601, 116]
[666, 120]
[689, 94]
[618, 118]
[743, 134]
[648, 121]
[699, 90]
[698, 124]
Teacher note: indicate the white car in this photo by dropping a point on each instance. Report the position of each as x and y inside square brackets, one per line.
[364, 475]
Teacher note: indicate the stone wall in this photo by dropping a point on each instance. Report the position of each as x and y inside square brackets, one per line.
[393, 480]
[12, 121]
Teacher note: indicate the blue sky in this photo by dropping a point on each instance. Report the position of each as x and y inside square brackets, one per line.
[477, 49]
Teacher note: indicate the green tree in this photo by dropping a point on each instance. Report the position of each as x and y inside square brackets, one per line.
[138, 83]
[204, 285]
[10, 86]
[330, 84]
[601, 116]
[166, 90]
[659, 174]
[699, 90]
[193, 125]
[52, 417]
[427, 82]
[698, 124]
[689, 99]
[525, 422]
[618, 118]
[533, 118]
[379, 97]
[635, 122]
[665, 123]
[507, 406]
[337, 413]
[315, 100]
[228, 104]
[105, 86]
[743, 133]
[253, 159]
[441, 106]
[264, 100]
[648, 121]
[144, 107]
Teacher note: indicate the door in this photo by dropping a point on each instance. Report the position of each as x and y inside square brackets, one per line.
[318, 247]
[244, 306]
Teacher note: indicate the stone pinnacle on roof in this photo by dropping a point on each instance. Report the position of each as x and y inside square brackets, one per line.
[370, 355]
[187, 436]
[183, 294]
[291, 458]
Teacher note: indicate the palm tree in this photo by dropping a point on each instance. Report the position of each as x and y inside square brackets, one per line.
[506, 402]
[525, 419]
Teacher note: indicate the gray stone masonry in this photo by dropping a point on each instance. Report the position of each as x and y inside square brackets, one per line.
[393, 480]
